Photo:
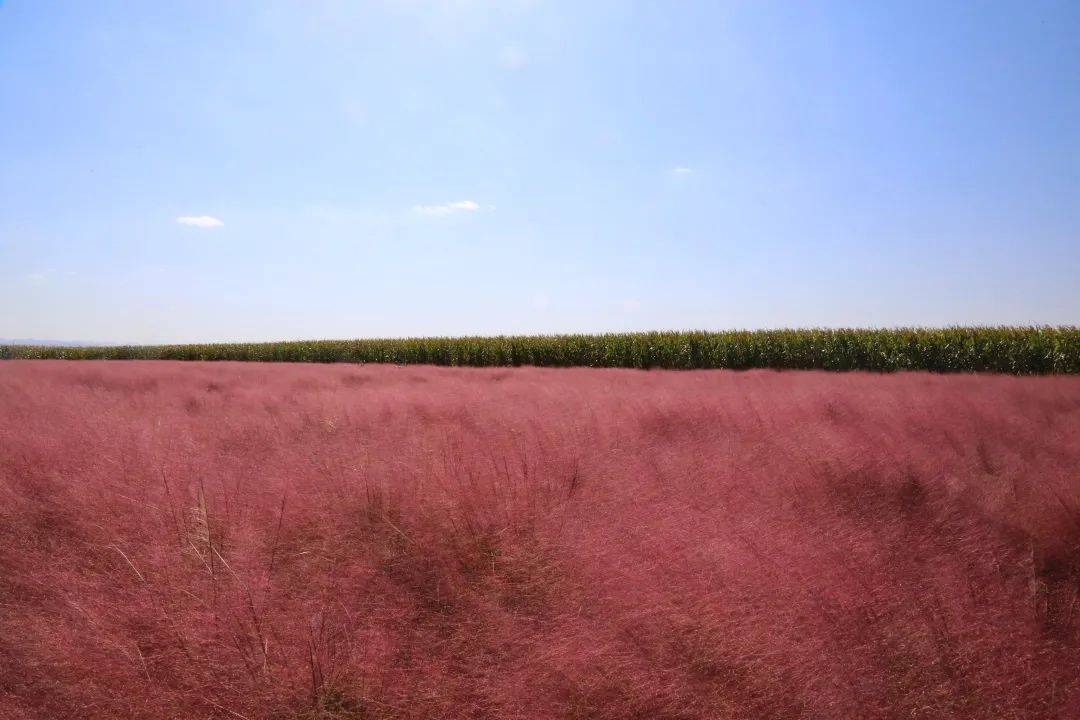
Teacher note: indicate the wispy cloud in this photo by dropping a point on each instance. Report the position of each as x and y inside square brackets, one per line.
[355, 111]
[631, 304]
[447, 208]
[681, 170]
[199, 221]
[45, 275]
[513, 57]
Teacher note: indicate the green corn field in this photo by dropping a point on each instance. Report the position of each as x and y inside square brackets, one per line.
[1017, 350]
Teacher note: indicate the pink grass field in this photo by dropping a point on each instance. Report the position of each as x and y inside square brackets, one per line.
[297, 541]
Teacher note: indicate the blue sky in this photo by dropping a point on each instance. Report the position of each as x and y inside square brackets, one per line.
[348, 169]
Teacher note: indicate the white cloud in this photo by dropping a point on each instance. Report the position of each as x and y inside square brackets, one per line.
[631, 304]
[447, 208]
[44, 275]
[681, 170]
[200, 221]
[355, 111]
[513, 57]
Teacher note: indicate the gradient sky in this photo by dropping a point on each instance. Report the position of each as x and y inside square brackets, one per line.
[348, 169]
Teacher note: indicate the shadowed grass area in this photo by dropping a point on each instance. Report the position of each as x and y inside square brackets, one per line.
[1017, 350]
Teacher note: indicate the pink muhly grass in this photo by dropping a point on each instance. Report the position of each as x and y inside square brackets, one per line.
[294, 541]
